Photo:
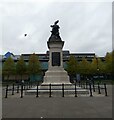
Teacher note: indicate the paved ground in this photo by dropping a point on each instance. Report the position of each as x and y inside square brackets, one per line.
[58, 107]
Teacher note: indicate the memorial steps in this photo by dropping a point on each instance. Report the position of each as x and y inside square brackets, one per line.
[56, 88]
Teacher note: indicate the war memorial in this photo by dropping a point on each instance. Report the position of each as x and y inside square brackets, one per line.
[56, 73]
[61, 98]
[56, 77]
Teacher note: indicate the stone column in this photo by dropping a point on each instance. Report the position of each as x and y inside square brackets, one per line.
[54, 48]
[56, 73]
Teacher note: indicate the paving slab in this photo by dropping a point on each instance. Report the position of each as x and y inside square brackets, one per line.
[58, 107]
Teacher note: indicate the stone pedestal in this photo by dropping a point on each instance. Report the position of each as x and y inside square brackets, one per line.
[56, 73]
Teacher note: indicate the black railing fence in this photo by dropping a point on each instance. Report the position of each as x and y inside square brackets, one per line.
[62, 88]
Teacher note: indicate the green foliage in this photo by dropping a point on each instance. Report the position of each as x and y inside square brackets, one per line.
[101, 66]
[84, 67]
[34, 65]
[9, 67]
[94, 66]
[108, 63]
[97, 66]
[72, 65]
[21, 66]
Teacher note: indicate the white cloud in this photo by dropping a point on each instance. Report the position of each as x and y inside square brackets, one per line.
[85, 27]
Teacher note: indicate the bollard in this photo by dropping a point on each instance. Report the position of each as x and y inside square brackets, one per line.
[13, 89]
[93, 87]
[90, 90]
[75, 91]
[31, 83]
[99, 92]
[105, 89]
[6, 92]
[62, 90]
[50, 90]
[18, 88]
[21, 91]
[37, 91]
[79, 83]
[24, 86]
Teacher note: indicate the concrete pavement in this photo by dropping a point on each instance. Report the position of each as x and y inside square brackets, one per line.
[58, 107]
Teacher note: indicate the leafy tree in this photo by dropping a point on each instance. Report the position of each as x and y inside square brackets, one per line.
[84, 67]
[108, 63]
[72, 67]
[21, 67]
[9, 67]
[101, 66]
[94, 66]
[34, 67]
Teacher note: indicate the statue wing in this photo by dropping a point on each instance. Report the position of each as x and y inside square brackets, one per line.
[56, 22]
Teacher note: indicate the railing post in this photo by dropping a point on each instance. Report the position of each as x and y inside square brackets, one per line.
[18, 88]
[75, 90]
[79, 83]
[13, 89]
[90, 90]
[63, 90]
[50, 90]
[21, 91]
[31, 83]
[37, 91]
[93, 87]
[99, 92]
[6, 92]
[24, 86]
[105, 89]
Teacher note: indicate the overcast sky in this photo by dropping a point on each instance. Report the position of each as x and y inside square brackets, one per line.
[84, 26]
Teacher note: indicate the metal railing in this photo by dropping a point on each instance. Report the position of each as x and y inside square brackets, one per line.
[91, 87]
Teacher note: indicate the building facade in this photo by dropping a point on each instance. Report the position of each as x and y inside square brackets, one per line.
[44, 58]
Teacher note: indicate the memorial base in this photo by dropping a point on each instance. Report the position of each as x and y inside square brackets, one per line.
[56, 75]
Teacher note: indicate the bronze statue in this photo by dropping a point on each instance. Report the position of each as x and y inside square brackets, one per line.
[55, 31]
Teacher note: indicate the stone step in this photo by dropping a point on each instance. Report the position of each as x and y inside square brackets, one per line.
[56, 90]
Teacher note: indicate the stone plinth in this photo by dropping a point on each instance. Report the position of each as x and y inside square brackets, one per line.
[56, 76]
[56, 73]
